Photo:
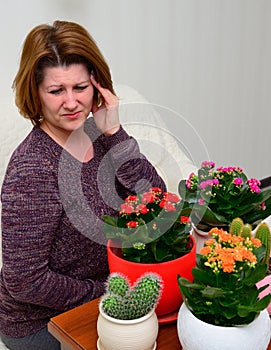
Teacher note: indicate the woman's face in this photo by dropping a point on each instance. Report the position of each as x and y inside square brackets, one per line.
[66, 96]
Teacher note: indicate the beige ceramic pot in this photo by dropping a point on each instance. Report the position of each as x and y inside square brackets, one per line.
[137, 334]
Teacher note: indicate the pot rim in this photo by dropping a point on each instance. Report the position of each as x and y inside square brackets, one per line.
[126, 322]
[192, 251]
[184, 305]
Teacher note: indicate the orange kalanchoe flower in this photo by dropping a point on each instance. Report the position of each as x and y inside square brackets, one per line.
[205, 250]
[228, 252]
[256, 242]
[210, 241]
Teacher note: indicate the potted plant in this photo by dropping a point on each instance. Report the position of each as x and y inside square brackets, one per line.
[224, 301]
[150, 234]
[215, 196]
[127, 318]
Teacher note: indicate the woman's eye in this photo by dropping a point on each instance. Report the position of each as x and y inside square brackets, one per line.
[81, 88]
[55, 92]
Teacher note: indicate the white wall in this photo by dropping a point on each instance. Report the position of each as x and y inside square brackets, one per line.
[205, 60]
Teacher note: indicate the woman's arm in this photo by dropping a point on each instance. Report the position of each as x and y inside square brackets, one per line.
[132, 169]
[31, 210]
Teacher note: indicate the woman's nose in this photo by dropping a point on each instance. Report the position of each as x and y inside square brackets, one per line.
[70, 101]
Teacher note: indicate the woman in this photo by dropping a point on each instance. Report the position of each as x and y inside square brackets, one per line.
[68, 172]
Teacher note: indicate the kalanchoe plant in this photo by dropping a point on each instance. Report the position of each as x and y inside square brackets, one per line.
[150, 227]
[215, 196]
[126, 302]
[224, 290]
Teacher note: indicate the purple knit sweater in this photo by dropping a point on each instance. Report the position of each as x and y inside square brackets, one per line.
[53, 245]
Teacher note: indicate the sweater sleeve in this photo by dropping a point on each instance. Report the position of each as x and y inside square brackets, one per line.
[132, 169]
[31, 210]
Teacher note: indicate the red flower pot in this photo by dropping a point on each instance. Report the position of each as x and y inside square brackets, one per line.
[171, 298]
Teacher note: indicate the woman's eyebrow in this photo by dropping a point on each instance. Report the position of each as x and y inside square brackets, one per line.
[60, 85]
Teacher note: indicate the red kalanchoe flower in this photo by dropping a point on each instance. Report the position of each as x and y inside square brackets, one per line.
[156, 190]
[142, 209]
[126, 208]
[148, 197]
[132, 224]
[185, 219]
[168, 206]
[171, 197]
[131, 198]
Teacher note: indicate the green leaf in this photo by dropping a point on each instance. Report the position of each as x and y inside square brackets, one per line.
[255, 275]
[160, 254]
[202, 276]
[208, 216]
[110, 220]
[261, 304]
[212, 292]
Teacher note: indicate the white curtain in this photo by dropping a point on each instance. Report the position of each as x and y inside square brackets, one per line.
[205, 61]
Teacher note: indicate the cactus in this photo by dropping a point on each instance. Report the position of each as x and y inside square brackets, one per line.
[124, 302]
[264, 235]
[117, 285]
[238, 228]
[247, 231]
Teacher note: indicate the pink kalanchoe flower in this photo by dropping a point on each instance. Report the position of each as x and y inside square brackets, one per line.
[201, 201]
[190, 182]
[215, 182]
[207, 164]
[207, 183]
[238, 181]
[254, 185]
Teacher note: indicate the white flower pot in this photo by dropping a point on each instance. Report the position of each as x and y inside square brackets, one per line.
[200, 237]
[195, 334]
[137, 334]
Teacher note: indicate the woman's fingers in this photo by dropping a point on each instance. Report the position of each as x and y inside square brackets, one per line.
[105, 112]
[106, 96]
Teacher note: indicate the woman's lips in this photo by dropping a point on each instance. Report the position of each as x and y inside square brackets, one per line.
[72, 116]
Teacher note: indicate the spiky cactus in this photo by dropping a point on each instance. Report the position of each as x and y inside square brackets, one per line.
[264, 235]
[247, 231]
[238, 228]
[124, 302]
[117, 285]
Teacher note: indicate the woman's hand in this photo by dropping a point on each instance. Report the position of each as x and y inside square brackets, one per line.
[106, 115]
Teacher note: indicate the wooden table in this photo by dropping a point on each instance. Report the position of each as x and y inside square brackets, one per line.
[77, 329]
